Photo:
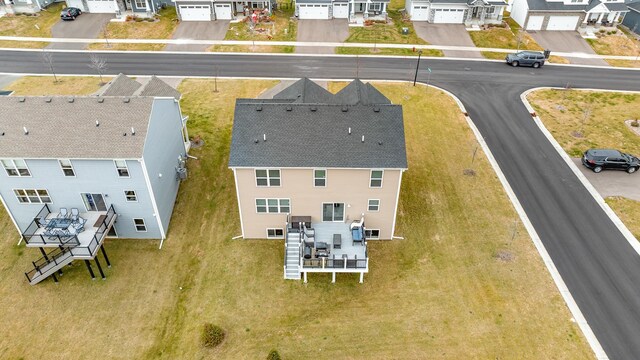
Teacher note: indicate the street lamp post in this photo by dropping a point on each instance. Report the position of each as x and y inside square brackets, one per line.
[415, 78]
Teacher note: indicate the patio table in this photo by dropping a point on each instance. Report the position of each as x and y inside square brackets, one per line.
[59, 223]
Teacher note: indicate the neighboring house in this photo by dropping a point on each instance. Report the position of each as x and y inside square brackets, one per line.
[466, 12]
[566, 15]
[341, 9]
[203, 10]
[632, 18]
[24, 6]
[311, 167]
[113, 162]
[142, 8]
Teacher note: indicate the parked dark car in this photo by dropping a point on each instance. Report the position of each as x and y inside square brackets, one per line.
[526, 58]
[598, 160]
[70, 13]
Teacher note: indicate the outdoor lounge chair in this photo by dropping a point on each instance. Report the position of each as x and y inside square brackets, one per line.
[63, 213]
[74, 214]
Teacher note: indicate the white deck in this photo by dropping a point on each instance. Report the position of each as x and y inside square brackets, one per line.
[84, 237]
[324, 233]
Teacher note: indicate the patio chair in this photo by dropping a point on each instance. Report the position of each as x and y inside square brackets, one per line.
[64, 213]
[74, 214]
[79, 225]
[42, 222]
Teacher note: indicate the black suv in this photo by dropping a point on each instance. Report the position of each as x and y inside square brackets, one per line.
[70, 13]
[528, 58]
[598, 160]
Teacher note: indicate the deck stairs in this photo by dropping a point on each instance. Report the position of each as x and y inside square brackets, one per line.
[292, 256]
[43, 268]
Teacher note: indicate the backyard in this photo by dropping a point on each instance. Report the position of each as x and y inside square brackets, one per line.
[162, 28]
[580, 120]
[466, 281]
[38, 25]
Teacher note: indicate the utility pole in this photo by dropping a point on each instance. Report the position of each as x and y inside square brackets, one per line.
[415, 78]
[215, 80]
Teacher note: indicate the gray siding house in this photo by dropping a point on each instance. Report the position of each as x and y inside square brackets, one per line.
[632, 19]
[79, 169]
[120, 8]
[566, 15]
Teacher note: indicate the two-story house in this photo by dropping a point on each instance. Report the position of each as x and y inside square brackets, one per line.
[78, 169]
[353, 10]
[566, 15]
[468, 12]
[321, 171]
[120, 8]
[208, 10]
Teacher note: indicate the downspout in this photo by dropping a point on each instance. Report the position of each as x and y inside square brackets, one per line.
[153, 201]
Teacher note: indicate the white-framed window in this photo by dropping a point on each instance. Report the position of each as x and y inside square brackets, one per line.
[319, 177]
[491, 10]
[141, 4]
[121, 167]
[267, 177]
[140, 225]
[374, 205]
[130, 196]
[372, 233]
[375, 6]
[16, 167]
[275, 233]
[273, 206]
[32, 196]
[375, 181]
[67, 168]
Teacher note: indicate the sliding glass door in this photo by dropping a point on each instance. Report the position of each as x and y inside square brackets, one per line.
[333, 212]
[94, 202]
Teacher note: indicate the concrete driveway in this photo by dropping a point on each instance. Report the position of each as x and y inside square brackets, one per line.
[336, 30]
[612, 183]
[566, 41]
[86, 26]
[198, 30]
[447, 34]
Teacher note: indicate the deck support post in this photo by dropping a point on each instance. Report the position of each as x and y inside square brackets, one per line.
[333, 277]
[44, 254]
[305, 277]
[104, 253]
[86, 262]
[100, 269]
[55, 279]
[361, 277]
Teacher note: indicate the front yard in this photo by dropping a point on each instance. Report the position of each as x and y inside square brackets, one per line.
[163, 28]
[466, 282]
[282, 27]
[580, 120]
[503, 38]
[38, 25]
[616, 43]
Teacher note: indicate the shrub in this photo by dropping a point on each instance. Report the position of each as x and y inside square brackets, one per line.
[635, 123]
[602, 31]
[212, 335]
[137, 19]
[614, 31]
[273, 355]
[609, 32]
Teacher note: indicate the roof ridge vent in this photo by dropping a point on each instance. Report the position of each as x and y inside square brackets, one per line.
[133, 131]
[100, 100]
[97, 123]
[313, 108]
[126, 100]
[345, 108]
[259, 108]
[289, 108]
[48, 100]
[362, 138]
[376, 109]
[26, 131]
[22, 99]
[71, 100]
[349, 130]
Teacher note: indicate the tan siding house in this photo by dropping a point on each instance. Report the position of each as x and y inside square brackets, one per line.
[321, 171]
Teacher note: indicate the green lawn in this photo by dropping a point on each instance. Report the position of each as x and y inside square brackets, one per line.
[383, 51]
[161, 29]
[281, 28]
[461, 285]
[66, 85]
[599, 120]
[38, 25]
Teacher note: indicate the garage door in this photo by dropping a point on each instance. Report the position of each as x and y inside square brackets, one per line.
[563, 22]
[448, 16]
[535, 22]
[76, 4]
[420, 13]
[340, 11]
[309, 11]
[223, 11]
[195, 12]
[101, 6]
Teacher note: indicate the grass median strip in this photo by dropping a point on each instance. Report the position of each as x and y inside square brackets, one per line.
[66, 85]
[466, 282]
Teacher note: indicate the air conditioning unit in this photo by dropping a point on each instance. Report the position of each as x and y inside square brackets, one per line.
[181, 173]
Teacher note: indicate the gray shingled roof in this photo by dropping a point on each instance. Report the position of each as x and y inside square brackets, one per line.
[159, 88]
[616, 6]
[299, 136]
[554, 6]
[358, 92]
[306, 91]
[635, 5]
[59, 128]
[122, 85]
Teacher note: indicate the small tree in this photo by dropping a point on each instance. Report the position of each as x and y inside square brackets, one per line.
[273, 355]
[47, 60]
[105, 33]
[98, 64]
[212, 335]
[519, 39]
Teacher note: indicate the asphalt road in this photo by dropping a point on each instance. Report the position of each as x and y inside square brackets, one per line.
[600, 268]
